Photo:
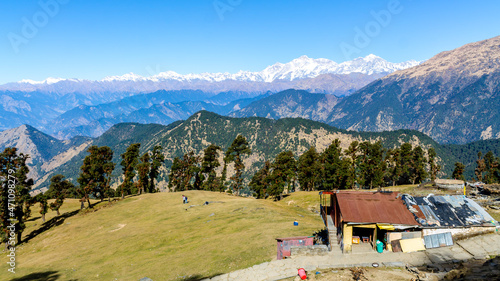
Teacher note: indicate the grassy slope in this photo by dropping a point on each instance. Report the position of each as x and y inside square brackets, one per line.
[162, 240]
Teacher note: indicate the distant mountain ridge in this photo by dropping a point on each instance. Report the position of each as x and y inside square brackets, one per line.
[155, 108]
[38, 103]
[291, 104]
[453, 97]
[300, 68]
[46, 152]
[266, 137]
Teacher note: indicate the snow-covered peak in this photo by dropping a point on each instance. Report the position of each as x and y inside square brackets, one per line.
[48, 81]
[126, 77]
[299, 68]
[371, 57]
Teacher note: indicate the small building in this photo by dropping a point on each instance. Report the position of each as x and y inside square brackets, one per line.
[356, 216]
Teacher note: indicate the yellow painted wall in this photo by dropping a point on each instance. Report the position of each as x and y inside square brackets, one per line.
[347, 238]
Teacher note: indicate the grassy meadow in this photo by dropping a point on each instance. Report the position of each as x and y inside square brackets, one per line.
[156, 236]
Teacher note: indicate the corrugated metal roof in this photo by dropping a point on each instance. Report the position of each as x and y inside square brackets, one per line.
[374, 207]
[448, 211]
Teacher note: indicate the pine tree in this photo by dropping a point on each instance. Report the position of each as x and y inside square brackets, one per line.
[44, 205]
[129, 162]
[176, 175]
[309, 170]
[14, 194]
[458, 172]
[481, 166]
[157, 159]
[223, 177]
[208, 166]
[394, 170]
[433, 166]
[185, 173]
[143, 170]
[352, 152]
[372, 165]
[58, 190]
[405, 163]
[418, 172]
[492, 168]
[283, 174]
[95, 173]
[194, 175]
[235, 153]
[331, 161]
[260, 181]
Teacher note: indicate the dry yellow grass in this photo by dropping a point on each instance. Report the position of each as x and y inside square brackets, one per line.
[155, 235]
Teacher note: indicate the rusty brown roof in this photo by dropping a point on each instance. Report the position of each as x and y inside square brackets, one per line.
[374, 207]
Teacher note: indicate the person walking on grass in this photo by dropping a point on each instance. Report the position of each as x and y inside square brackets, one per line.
[184, 199]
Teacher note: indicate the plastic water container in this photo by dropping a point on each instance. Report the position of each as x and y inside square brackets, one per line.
[302, 274]
[296, 223]
[380, 246]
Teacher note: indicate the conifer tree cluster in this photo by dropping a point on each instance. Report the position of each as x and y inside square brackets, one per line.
[140, 173]
[193, 172]
[487, 168]
[365, 164]
[15, 200]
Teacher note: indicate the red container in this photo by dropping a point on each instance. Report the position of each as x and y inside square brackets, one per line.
[302, 274]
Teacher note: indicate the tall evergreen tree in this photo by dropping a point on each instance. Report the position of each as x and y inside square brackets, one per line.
[44, 205]
[14, 194]
[157, 159]
[260, 181]
[394, 170]
[195, 176]
[352, 152]
[432, 161]
[96, 172]
[185, 173]
[492, 167]
[176, 175]
[481, 166]
[107, 166]
[235, 153]
[223, 177]
[458, 172]
[208, 166]
[283, 174]
[58, 190]
[335, 171]
[309, 170]
[129, 162]
[405, 163]
[372, 165]
[418, 172]
[143, 170]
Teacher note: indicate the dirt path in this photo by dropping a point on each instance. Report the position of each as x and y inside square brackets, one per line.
[479, 247]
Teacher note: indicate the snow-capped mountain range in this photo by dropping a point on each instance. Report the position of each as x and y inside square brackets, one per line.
[300, 68]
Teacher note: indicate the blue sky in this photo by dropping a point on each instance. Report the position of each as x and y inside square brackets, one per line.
[93, 39]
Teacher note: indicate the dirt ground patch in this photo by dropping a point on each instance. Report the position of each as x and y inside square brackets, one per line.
[476, 270]
[371, 274]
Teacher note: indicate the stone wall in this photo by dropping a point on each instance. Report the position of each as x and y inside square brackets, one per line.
[314, 250]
